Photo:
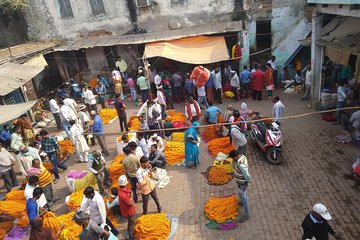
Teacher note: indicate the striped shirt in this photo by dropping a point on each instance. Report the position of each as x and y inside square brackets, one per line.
[49, 144]
[45, 178]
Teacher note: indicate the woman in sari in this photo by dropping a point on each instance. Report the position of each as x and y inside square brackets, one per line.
[191, 146]
[269, 80]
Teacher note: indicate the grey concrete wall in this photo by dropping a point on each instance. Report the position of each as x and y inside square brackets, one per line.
[45, 22]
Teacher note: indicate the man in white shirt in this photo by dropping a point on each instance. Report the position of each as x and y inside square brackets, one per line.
[84, 119]
[162, 101]
[217, 84]
[192, 110]
[157, 80]
[141, 141]
[234, 83]
[25, 157]
[155, 139]
[135, 149]
[90, 99]
[308, 76]
[202, 96]
[72, 105]
[55, 110]
[274, 66]
[237, 138]
[79, 141]
[29, 189]
[65, 117]
[94, 202]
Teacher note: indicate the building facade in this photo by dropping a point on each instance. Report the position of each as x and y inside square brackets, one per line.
[265, 23]
[335, 34]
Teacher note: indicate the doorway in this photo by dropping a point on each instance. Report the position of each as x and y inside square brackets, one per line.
[263, 35]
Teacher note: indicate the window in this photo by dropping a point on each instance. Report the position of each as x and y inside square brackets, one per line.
[143, 3]
[97, 7]
[65, 9]
[178, 2]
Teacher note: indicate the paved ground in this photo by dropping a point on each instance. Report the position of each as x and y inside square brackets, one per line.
[315, 170]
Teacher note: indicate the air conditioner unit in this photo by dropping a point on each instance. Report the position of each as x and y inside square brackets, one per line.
[143, 3]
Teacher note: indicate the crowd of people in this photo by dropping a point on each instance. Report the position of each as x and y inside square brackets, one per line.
[142, 152]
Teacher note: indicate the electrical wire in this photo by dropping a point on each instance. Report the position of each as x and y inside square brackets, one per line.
[225, 124]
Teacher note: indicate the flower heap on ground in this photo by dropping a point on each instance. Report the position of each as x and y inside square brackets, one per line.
[152, 226]
[107, 114]
[175, 149]
[222, 209]
[220, 145]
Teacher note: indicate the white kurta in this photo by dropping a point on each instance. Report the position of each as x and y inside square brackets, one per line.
[78, 139]
[72, 105]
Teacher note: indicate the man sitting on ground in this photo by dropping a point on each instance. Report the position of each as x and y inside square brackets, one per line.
[156, 157]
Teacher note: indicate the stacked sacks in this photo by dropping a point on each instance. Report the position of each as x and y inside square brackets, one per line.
[201, 75]
[152, 226]
[218, 145]
[107, 115]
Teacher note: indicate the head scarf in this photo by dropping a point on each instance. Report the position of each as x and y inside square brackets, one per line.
[195, 124]
[38, 232]
[244, 106]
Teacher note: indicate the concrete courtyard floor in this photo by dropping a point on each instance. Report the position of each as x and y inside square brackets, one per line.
[315, 169]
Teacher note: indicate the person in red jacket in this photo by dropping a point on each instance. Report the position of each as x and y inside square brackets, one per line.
[269, 80]
[127, 205]
[258, 78]
[192, 110]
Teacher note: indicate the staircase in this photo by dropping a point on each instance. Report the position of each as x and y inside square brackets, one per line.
[291, 45]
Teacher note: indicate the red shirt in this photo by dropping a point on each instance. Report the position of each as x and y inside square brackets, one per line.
[259, 80]
[127, 206]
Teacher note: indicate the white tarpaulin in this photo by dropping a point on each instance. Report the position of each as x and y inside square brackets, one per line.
[12, 111]
[15, 75]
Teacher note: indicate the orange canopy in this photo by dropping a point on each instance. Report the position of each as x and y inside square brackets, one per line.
[195, 50]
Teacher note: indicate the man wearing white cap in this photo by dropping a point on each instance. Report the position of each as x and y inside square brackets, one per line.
[127, 205]
[315, 224]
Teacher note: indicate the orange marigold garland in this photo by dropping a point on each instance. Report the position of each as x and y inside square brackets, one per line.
[116, 169]
[174, 152]
[152, 227]
[107, 114]
[66, 148]
[134, 123]
[75, 199]
[16, 195]
[51, 221]
[218, 176]
[210, 133]
[220, 145]
[222, 209]
[14, 208]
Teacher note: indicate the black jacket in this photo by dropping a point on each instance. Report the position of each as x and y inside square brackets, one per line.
[318, 230]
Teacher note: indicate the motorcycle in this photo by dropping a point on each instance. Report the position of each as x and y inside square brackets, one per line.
[72, 89]
[270, 140]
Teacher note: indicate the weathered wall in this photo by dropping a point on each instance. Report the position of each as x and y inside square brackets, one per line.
[284, 16]
[44, 19]
[13, 30]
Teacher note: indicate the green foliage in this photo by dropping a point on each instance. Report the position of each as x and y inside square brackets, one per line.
[12, 6]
